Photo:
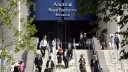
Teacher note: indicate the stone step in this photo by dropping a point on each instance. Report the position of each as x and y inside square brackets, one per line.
[72, 69]
[115, 70]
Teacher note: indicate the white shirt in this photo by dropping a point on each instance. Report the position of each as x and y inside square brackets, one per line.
[69, 46]
[49, 66]
[53, 42]
[111, 42]
[43, 43]
[65, 53]
[52, 57]
[81, 36]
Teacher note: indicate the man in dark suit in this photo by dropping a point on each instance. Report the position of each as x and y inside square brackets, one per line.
[85, 39]
[116, 41]
[38, 62]
[70, 50]
[94, 64]
[50, 65]
[66, 57]
[81, 40]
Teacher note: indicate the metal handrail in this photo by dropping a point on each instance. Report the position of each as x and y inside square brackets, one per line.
[95, 53]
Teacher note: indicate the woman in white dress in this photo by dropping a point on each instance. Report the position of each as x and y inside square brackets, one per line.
[111, 42]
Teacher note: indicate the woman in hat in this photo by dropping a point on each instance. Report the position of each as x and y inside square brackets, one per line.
[16, 67]
[111, 42]
[59, 57]
[82, 64]
[21, 66]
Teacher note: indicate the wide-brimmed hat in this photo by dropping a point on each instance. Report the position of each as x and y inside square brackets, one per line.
[45, 36]
[16, 64]
[59, 49]
[81, 55]
[111, 35]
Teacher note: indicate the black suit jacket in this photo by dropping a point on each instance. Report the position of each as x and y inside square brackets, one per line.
[38, 61]
[67, 55]
[94, 64]
[85, 39]
[52, 64]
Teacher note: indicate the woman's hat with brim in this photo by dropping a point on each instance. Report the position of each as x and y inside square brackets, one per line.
[81, 55]
[16, 64]
[59, 49]
[111, 35]
[45, 36]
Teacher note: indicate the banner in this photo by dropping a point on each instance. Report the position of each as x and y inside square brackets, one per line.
[56, 9]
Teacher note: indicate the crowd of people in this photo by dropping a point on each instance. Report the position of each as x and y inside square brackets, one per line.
[63, 54]
[83, 40]
[113, 42]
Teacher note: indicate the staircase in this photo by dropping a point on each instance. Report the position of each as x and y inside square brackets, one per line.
[102, 61]
[112, 61]
[125, 65]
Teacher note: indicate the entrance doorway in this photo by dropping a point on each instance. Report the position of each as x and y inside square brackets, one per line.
[65, 30]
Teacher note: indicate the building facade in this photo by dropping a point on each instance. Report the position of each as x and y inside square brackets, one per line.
[6, 34]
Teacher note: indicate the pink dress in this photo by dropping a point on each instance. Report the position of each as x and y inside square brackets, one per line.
[21, 66]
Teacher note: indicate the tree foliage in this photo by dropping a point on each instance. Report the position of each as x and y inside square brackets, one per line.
[109, 10]
[22, 39]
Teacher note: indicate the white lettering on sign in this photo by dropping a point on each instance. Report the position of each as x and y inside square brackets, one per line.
[65, 15]
[66, 4]
[57, 10]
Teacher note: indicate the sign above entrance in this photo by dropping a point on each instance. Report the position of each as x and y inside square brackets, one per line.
[58, 11]
[55, 10]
